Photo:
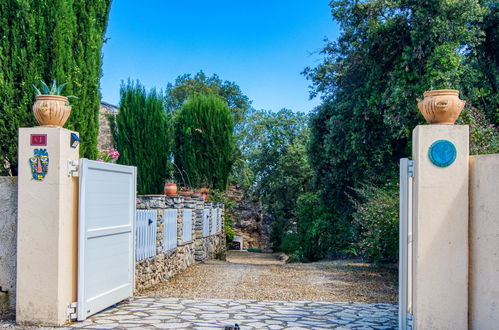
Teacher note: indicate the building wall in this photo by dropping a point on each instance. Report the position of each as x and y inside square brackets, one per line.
[8, 236]
[165, 265]
[105, 138]
[484, 242]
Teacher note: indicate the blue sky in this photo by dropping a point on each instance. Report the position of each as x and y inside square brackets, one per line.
[261, 45]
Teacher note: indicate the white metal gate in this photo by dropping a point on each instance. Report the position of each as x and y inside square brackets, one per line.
[405, 244]
[106, 223]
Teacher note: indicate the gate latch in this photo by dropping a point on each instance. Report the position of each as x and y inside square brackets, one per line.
[410, 168]
[71, 311]
[73, 168]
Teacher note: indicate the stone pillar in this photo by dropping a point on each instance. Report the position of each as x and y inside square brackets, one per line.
[47, 228]
[440, 229]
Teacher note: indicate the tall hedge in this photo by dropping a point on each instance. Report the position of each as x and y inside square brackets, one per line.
[57, 39]
[204, 143]
[142, 135]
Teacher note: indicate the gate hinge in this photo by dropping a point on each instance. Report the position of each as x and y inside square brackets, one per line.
[410, 168]
[71, 311]
[73, 166]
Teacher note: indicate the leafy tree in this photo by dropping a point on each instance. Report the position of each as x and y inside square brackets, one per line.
[46, 40]
[142, 136]
[388, 54]
[204, 143]
[187, 85]
[275, 152]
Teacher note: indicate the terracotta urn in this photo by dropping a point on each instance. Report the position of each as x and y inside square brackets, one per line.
[51, 110]
[441, 106]
[170, 189]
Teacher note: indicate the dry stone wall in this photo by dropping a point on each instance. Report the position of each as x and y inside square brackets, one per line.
[166, 264]
[8, 238]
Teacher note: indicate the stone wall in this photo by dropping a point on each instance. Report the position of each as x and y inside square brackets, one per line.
[105, 138]
[165, 265]
[8, 237]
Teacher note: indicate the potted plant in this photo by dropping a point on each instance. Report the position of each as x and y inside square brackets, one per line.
[204, 193]
[51, 108]
[186, 192]
[170, 188]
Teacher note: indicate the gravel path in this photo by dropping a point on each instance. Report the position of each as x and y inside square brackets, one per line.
[263, 276]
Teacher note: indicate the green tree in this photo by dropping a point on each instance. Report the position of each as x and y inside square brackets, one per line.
[388, 54]
[187, 85]
[204, 142]
[275, 152]
[49, 40]
[142, 136]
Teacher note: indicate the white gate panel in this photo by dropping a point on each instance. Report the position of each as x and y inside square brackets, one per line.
[405, 244]
[105, 235]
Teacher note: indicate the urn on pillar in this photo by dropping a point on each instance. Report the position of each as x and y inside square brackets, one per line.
[51, 108]
[441, 106]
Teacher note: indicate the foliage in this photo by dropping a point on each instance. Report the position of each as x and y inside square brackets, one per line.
[142, 136]
[484, 137]
[275, 152]
[53, 90]
[319, 230]
[204, 143]
[42, 40]
[108, 156]
[388, 54]
[186, 86]
[229, 205]
[376, 215]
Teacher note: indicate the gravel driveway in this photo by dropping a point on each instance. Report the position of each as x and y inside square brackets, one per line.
[265, 276]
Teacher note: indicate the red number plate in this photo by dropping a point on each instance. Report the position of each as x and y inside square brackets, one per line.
[38, 139]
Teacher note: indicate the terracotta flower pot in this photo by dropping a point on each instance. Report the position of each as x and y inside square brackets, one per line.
[441, 106]
[170, 189]
[51, 110]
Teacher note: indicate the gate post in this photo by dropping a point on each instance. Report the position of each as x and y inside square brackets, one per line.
[47, 225]
[440, 227]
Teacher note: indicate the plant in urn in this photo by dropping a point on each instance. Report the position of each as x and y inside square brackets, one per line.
[50, 107]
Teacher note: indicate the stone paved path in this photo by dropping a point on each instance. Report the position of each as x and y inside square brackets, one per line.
[177, 313]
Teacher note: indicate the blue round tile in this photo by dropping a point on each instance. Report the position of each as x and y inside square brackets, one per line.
[442, 153]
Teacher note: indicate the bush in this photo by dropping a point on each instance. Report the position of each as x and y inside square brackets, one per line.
[376, 215]
[320, 231]
[50, 40]
[484, 137]
[142, 136]
[204, 143]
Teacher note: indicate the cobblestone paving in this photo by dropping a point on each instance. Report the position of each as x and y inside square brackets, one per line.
[176, 313]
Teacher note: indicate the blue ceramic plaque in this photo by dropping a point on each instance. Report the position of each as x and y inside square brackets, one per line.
[442, 153]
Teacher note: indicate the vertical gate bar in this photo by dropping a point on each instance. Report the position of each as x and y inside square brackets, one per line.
[403, 206]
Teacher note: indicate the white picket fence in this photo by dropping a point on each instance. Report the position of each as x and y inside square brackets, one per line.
[206, 222]
[219, 229]
[187, 225]
[145, 234]
[170, 230]
[214, 217]
[146, 229]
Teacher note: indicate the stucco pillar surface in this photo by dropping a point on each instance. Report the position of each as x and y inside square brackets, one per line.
[440, 231]
[47, 230]
[484, 242]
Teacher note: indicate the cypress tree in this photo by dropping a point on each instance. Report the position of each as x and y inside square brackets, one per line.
[204, 144]
[57, 39]
[142, 136]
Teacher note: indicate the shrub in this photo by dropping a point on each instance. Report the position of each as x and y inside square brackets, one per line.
[142, 136]
[204, 143]
[320, 231]
[376, 215]
[484, 137]
[50, 40]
